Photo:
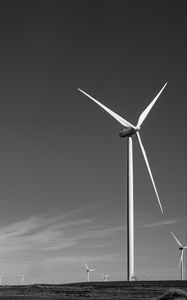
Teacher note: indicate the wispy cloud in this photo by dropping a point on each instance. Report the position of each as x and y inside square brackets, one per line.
[80, 259]
[51, 237]
[160, 223]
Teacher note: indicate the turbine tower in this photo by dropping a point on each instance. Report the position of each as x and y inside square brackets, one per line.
[88, 270]
[22, 276]
[181, 249]
[128, 132]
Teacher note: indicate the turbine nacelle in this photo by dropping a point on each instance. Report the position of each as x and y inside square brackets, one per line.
[128, 132]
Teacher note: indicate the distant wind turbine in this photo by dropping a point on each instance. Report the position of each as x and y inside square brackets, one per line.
[105, 277]
[1, 277]
[181, 248]
[88, 270]
[22, 276]
[128, 132]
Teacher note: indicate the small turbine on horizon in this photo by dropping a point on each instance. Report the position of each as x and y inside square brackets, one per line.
[1, 277]
[181, 249]
[88, 270]
[105, 277]
[22, 276]
[128, 132]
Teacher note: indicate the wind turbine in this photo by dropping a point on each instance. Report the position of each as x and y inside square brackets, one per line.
[105, 277]
[181, 248]
[128, 132]
[22, 276]
[88, 270]
[1, 277]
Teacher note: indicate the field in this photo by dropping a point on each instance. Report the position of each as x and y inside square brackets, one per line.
[140, 290]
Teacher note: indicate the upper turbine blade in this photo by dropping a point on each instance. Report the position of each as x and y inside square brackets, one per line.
[149, 170]
[176, 239]
[147, 110]
[112, 113]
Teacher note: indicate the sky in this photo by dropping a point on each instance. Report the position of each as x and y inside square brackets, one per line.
[63, 164]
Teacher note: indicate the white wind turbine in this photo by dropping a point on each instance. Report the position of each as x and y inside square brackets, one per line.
[181, 248]
[88, 270]
[22, 276]
[105, 277]
[1, 277]
[128, 132]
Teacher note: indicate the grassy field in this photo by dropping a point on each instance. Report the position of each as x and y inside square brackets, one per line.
[140, 290]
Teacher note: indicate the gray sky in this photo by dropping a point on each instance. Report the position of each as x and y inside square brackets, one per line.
[63, 165]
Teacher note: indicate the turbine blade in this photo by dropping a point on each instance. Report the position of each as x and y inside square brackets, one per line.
[147, 110]
[176, 239]
[112, 113]
[149, 170]
[86, 266]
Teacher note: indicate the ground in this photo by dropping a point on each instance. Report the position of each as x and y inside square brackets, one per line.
[140, 290]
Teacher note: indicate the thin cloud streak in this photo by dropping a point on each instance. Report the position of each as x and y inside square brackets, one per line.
[47, 235]
[82, 258]
[161, 223]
